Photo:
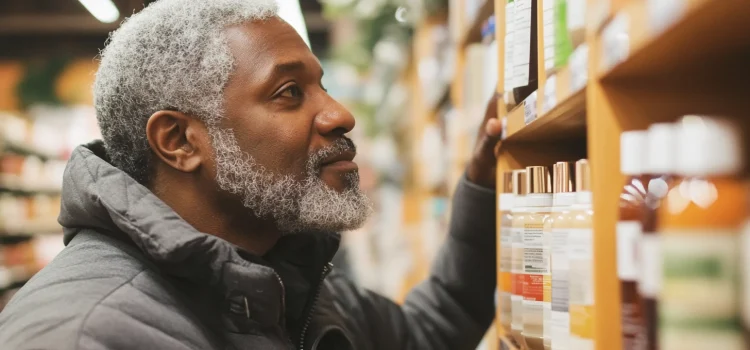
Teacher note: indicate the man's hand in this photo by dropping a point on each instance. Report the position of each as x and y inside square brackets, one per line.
[483, 164]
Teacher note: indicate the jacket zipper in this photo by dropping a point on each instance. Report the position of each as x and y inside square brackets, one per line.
[283, 292]
[326, 269]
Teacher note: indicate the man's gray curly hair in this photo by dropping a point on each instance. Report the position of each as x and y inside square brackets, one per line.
[172, 55]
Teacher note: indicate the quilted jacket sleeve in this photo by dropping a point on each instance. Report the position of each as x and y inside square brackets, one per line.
[453, 308]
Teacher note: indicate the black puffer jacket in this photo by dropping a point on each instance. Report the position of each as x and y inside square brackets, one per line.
[134, 275]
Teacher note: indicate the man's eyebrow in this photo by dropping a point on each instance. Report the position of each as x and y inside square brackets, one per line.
[291, 67]
[288, 67]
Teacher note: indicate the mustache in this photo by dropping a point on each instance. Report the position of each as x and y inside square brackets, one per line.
[341, 145]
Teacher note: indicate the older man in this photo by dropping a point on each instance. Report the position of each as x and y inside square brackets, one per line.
[207, 217]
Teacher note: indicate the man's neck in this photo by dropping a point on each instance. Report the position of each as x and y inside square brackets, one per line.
[217, 215]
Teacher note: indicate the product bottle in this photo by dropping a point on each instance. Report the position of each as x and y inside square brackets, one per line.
[536, 259]
[580, 258]
[557, 323]
[631, 215]
[700, 224]
[505, 216]
[660, 166]
[519, 215]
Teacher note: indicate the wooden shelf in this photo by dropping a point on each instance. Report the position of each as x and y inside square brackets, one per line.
[474, 32]
[703, 34]
[564, 121]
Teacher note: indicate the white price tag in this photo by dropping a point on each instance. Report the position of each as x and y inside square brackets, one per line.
[616, 41]
[504, 133]
[664, 13]
[576, 14]
[579, 68]
[529, 108]
[550, 94]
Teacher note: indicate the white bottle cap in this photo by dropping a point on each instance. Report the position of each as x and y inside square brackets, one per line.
[661, 149]
[632, 147]
[708, 147]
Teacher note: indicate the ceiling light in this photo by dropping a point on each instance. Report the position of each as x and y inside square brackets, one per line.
[104, 10]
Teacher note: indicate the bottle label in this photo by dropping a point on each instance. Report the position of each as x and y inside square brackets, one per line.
[560, 320]
[649, 252]
[506, 251]
[517, 278]
[509, 44]
[700, 300]
[581, 284]
[628, 235]
[522, 41]
[535, 263]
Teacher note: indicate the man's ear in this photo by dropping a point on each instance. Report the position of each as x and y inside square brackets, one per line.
[178, 139]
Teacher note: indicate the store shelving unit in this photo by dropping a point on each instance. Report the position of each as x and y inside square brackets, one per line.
[647, 66]
[648, 61]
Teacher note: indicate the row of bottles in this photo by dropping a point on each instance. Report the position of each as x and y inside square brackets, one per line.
[546, 254]
[679, 239]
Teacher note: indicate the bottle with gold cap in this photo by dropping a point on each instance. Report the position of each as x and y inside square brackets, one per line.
[505, 241]
[580, 258]
[536, 259]
[557, 325]
[519, 215]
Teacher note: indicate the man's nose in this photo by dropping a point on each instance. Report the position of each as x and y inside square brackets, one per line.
[336, 120]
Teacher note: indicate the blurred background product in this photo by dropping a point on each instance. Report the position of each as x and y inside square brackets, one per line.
[594, 92]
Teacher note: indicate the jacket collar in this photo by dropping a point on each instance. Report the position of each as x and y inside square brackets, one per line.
[99, 196]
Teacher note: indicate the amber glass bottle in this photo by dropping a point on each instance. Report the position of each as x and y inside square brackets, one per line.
[631, 215]
[700, 224]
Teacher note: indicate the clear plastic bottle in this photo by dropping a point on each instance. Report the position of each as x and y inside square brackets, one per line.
[557, 323]
[505, 222]
[700, 224]
[629, 229]
[519, 215]
[580, 257]
[536, 259]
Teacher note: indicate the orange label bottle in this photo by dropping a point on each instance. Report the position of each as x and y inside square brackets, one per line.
[516, 273]
[700, 225]
[505, 218]
[536, 257]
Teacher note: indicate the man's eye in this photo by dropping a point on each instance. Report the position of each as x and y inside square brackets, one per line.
[292, 92]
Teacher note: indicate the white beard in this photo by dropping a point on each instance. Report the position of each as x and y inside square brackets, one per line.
[295, 207]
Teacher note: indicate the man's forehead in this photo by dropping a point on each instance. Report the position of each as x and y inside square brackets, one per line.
[269, 44]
